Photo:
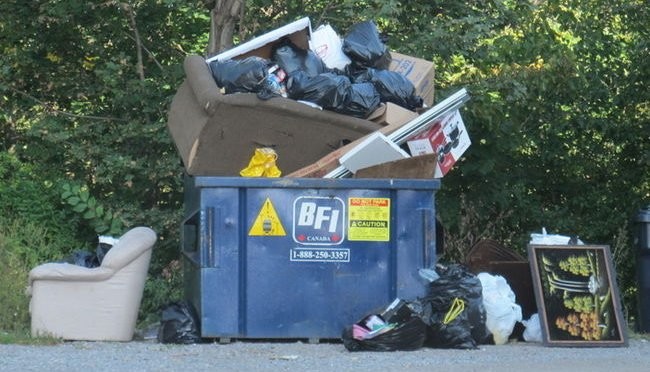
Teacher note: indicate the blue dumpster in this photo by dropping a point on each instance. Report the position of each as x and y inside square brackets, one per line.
[287, 258]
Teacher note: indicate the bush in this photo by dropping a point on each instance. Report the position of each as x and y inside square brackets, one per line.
[23, 245]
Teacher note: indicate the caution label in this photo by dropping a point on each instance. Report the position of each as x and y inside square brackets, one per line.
[369, 219]
[267, 222]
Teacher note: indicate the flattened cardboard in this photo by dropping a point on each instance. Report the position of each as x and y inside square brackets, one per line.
[298, 32]
[330, 161]
[373, 150]
[416, 167]
[419, 71]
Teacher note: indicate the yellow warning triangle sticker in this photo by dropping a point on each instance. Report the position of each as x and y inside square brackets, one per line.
[267, 222]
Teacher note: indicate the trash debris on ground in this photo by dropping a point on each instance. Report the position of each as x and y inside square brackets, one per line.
[502, 311]
[453, 309]
[179, 324]
[488, 255]
[398, 327]
[533, 331]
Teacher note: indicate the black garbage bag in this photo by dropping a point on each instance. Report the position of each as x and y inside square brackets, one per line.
[328, 90]
[101, 250]
[240, 76]
[365, 47]
[89, 259]
[291, 59]
[82, 258]
[179, 324]
[363, 99]
[453, 310]
[392, 87]
[405, 331]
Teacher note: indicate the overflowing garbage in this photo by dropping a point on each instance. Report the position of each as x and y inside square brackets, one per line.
[300, 74]
[461, 310]
[278, 89]
[303, 103]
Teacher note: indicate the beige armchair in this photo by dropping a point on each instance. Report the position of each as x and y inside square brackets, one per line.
[96, 304]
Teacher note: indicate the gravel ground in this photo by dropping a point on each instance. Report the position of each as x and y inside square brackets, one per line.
[299, 356]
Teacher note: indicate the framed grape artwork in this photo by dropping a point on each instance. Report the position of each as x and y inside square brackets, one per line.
[577, 297]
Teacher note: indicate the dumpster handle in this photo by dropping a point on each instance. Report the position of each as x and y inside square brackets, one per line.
[210, 215]
[426, 237]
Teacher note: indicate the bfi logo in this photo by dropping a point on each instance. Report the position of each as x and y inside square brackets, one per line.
[318, 220]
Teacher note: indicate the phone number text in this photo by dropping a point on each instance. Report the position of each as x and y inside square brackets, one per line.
[320, 255]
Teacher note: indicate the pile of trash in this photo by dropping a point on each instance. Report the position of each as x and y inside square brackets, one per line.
[461, 310]
[354, 88]
[272, 93]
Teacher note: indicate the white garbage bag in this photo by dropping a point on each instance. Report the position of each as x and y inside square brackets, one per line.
[533, 331]
[502, 312]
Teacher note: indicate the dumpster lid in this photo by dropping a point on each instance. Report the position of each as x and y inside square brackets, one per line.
[320, 183]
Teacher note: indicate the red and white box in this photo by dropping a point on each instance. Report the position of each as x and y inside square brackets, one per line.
[447, 137]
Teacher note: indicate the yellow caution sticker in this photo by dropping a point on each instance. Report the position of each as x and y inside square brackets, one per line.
[267, 222]
[369, 219]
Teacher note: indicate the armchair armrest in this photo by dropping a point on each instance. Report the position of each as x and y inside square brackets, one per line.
[68, 272]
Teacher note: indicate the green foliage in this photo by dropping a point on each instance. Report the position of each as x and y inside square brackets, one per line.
[160, 290]
[102, 219]
[23, 245]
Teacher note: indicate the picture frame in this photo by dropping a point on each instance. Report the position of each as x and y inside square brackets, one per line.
[577, 297]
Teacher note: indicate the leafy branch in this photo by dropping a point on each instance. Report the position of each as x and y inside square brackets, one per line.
[101, 219]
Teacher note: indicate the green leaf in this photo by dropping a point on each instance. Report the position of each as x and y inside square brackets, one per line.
[66, 195]
[84, 195]
[116, 226]
[80, 207]
[74, 200]
[92, 202]
[89, 214]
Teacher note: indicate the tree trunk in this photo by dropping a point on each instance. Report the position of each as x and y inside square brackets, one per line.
[223, 18]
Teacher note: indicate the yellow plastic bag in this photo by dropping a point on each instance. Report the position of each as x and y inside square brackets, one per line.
[262, 164]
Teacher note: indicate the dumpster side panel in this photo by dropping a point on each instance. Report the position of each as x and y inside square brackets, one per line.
[304, 259]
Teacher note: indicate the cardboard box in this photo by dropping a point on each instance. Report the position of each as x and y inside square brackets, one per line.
[389, 113]
[447, 138]
[419, 71]
[298, 32]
